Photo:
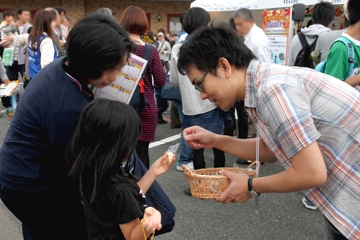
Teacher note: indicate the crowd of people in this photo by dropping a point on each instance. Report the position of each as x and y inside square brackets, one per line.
[69, 160]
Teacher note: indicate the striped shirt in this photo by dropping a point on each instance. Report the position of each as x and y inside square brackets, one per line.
[292, 108]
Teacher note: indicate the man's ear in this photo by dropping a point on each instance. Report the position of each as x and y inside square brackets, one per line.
[225, 66]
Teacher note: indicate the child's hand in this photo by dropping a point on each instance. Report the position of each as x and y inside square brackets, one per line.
[152, 218]
[162, 165]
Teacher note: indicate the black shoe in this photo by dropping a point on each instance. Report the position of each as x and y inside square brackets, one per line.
[242, 161]
[187, 191]
[161, 121]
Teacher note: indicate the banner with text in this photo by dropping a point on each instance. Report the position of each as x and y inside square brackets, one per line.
[276, 24]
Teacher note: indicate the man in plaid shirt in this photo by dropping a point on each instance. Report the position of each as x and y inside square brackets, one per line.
[308, 121]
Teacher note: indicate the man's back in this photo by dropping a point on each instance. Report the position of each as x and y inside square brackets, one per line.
[325, 41]
[257, 41]
[311, 33]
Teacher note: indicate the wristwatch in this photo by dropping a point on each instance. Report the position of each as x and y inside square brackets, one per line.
[251, 190]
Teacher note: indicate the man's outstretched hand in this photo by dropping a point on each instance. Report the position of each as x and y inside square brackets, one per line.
[197, 137]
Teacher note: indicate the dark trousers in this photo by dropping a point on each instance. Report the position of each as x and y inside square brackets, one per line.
[199, 161]
[49, 214]
[331, 233]
[162, 105]
[13, 74]
[142, 150]
[230, 123]
[243, 127]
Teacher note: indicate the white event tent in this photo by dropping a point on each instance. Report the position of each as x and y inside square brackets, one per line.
[228, 5]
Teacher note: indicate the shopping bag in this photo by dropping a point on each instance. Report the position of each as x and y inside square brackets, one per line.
[7, 57]
[170, 92]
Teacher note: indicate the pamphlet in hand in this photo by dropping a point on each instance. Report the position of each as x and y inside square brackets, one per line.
[8, 89]
[123, 88]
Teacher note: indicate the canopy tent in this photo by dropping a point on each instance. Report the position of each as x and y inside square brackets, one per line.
[228, 5]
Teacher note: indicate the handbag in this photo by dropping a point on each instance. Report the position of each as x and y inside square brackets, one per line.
[170, 92]
[138, 100]
[155, 197]
[7, 57]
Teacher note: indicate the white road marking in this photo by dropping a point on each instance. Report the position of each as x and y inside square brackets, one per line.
[165, 141]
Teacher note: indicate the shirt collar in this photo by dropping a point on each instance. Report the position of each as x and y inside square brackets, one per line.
[82, 84]
[251, 84]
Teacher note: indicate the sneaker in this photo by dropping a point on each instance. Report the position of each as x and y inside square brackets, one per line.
[242, 161]
[161, 121]
[2, 112]
[308, 204]
[180, 169]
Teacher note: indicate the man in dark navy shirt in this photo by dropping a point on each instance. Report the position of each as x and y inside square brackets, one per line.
[33, 166]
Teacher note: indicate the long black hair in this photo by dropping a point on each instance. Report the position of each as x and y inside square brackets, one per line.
[105, 137]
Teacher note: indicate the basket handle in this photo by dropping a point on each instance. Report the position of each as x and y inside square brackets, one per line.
[252, 164]
[187, 169]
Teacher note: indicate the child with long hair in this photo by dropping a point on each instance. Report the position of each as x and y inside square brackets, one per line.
[114, 201]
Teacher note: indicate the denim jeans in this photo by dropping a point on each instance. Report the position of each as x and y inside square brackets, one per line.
[331, 233]
[186, 152]
[48, 214]
[162, 105]
[212, 121]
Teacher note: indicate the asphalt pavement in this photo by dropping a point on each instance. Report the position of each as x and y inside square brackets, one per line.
[282, 216]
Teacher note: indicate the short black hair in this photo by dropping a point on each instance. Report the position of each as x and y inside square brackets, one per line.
[353, 8]
[195, 18]
[87, 52]
[323, 13]
[232, 23]
[244, 13]
[207, 45]
[60, 9]
[21, 10]
[8, 13]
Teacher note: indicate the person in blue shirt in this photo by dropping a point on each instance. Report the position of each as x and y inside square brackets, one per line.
[33, 164]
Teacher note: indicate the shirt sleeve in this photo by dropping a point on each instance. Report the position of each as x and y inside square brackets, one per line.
[292, 54]
[262, 52]
[126, 203]
[337, 61]
[47, 52]
[286, 111]
[174, 74]
[21, 40]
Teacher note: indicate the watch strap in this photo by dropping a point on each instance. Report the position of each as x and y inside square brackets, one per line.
[250, 184]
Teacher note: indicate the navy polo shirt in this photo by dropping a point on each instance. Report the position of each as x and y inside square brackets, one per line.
[33, 156]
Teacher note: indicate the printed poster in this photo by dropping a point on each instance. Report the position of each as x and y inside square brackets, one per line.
[276, 24]
[124, 87]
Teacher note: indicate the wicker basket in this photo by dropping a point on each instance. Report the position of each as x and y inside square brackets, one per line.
[207, 183]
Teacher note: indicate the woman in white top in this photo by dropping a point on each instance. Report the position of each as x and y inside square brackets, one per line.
[41, 49]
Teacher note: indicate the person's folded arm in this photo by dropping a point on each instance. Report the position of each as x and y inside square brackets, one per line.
[353, 81]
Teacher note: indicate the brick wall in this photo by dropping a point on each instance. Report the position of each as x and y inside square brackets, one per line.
[77, 8]
[154, 8]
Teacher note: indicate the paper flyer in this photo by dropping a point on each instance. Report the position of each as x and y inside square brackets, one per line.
[9, 89]
[123, 88]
